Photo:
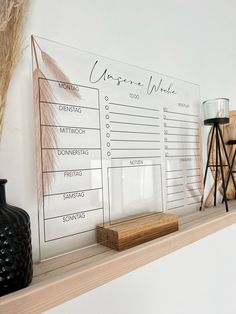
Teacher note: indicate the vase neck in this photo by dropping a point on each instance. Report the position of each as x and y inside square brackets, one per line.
[2, 192]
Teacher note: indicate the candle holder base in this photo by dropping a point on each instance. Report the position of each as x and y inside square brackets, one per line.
[213, 121]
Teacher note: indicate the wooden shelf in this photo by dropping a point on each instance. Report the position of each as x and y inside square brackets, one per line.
[60, 279]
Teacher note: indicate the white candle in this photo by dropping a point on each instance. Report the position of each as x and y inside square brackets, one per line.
[216, 108]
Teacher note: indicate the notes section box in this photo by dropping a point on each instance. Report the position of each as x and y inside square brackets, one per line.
[134, 190]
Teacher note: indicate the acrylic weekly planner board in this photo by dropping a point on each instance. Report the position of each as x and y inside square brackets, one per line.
[113, 140]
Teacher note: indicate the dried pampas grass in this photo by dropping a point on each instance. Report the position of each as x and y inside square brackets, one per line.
[57, 72]
[45, 114]
[47, 138]
[12, 18]
[52, 66]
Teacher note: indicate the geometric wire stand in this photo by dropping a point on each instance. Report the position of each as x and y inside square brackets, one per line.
[231, 142]
[216, 131]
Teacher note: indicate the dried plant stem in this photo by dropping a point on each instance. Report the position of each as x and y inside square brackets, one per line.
[12, 18]
[45, 114]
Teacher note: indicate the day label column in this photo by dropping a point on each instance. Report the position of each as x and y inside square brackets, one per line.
[74, 202]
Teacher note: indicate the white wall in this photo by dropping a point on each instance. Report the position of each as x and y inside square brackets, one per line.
[190, 39]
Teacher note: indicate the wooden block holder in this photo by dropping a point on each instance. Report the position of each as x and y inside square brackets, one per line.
[125, 233]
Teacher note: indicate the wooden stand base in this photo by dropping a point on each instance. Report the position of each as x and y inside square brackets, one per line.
[134, 230]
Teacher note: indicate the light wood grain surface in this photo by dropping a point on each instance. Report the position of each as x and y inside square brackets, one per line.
[60, 279]
[124, 234]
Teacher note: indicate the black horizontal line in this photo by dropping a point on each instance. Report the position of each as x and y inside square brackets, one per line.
[116, 104]
[67, 126]
[174, 178]
[134, 132]
[147, 141]
[59, 81]
[182, 120]
[72, 192]
[72, 170]
[136, 149]
[194, 203]
[180, 127]
[194, 135]
[134, 166]
[179, 199]
[184, 148]
[70, 235]
[195, 175]
[134, 157]
[69, 105]
[194, 142]
[120, 122]
[54, 148]
[184, 114]
[175, 207]
[133, 115]
[83, 211]
[174, 170]
[192, 189]
[184, 156]
[192, 196]
[175, 192]
[170, 186]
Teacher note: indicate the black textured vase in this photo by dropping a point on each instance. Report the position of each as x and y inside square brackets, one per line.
[16, 266]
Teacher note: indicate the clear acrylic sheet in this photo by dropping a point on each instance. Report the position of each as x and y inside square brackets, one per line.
[113, 140]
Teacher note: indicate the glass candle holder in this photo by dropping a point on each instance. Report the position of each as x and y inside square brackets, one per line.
[216, 111]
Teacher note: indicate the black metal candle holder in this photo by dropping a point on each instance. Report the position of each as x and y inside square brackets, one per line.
[231, 143]
[217, 133]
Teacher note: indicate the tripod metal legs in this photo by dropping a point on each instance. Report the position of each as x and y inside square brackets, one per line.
[221, 169]
[216, 170]
[232, 164]
[207, 164]
[216, 131]
[228, 163]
